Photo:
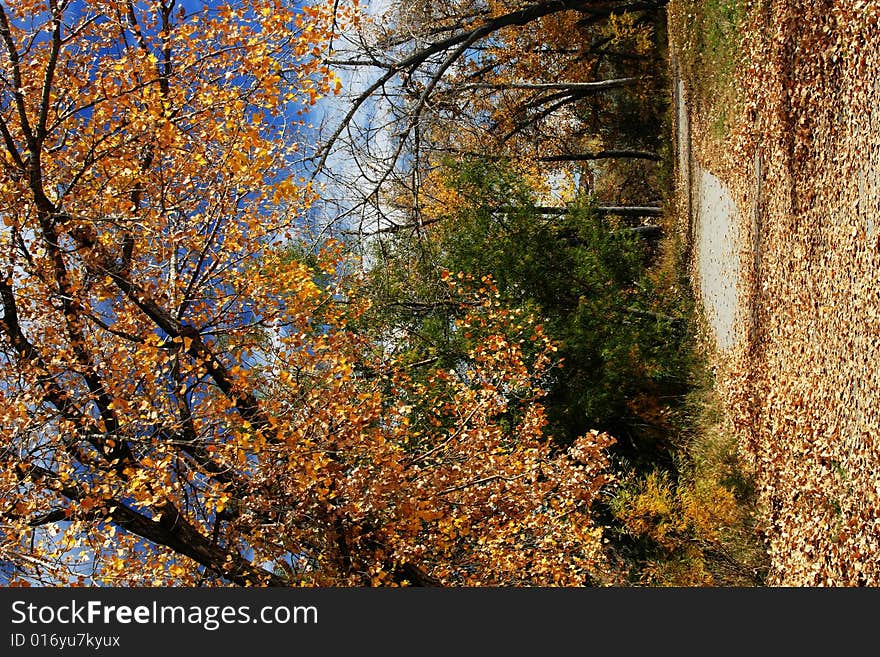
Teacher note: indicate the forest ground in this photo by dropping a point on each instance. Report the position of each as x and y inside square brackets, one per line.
[786, 112]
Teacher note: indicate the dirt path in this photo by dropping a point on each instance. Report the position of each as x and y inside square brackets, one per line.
[713, 221]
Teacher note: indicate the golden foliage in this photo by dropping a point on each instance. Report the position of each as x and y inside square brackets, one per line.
[682, 524]
[183, 401]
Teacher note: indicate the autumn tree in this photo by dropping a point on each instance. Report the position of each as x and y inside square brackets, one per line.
[183, 400]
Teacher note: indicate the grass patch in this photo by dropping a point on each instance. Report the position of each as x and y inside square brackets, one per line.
[707, 34]
[693, 524]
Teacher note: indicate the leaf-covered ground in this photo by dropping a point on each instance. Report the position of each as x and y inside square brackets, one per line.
[802, 158]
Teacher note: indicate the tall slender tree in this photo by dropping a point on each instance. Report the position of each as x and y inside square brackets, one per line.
[537, 81]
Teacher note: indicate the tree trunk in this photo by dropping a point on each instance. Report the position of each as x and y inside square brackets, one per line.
[602, 155]
[581, 87]
[618, 210]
